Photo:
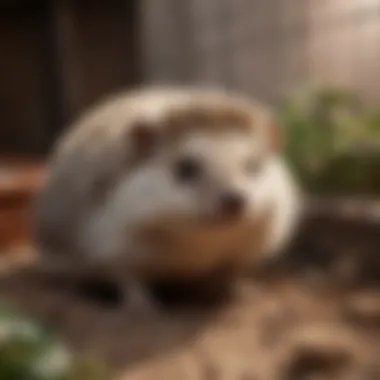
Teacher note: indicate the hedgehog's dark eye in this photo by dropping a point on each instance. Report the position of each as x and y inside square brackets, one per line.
[187, 169]
[254, 166]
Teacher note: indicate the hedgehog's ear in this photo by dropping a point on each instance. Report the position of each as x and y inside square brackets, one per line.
[144, 136]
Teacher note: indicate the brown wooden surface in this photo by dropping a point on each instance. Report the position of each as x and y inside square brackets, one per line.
[58, 57]
[23, 105]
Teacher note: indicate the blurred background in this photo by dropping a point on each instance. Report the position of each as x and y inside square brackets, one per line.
[315, 61]
[57, 57]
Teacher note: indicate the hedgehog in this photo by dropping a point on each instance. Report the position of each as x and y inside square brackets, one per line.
[166, 182]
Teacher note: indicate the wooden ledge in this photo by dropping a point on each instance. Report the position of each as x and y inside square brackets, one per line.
[345, 208]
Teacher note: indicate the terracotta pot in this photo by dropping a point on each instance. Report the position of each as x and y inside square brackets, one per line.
[19, 180]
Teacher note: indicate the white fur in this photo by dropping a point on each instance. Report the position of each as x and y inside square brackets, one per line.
[283, 193]
[151, 192]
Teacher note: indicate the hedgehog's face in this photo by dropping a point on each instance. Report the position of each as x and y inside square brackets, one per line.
[202, 177]
[223, 174]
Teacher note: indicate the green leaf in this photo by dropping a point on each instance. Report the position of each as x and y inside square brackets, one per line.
[327, 131]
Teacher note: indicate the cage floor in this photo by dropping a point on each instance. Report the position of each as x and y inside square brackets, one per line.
[314, 315]
[275, 329]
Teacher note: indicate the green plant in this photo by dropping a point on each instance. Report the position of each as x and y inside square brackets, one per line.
[31, 351]
[332, 142]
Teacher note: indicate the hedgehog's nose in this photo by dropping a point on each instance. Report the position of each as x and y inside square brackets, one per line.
[232, 205]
